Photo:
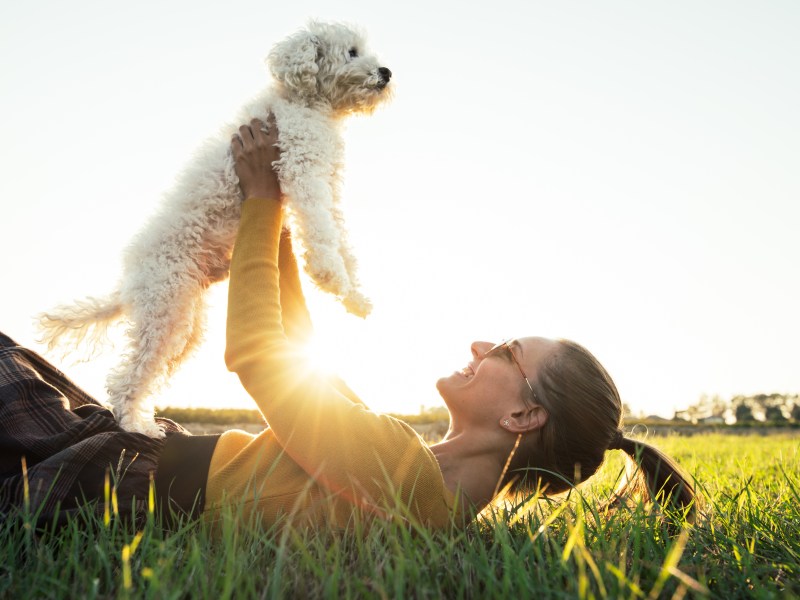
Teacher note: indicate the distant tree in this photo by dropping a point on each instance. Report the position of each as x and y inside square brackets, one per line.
[743, 413]
[680, 415]
[760, 406]
[627, 413]
[795, 414]
[693, 413]
[775, 414]
[710, 406]
[718, 406]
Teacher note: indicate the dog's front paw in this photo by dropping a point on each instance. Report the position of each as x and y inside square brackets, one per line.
[357, 304]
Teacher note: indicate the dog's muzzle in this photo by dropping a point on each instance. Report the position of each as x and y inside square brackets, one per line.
[385, 75]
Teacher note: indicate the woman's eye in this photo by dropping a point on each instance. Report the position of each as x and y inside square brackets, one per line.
[353, 53]
[504, 353]
[501, 352]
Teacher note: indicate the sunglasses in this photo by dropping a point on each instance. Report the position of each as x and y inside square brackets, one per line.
[504, 349]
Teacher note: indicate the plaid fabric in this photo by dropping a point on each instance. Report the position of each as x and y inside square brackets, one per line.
[69, 442]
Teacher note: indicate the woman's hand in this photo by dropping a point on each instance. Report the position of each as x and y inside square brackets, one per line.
[254, 150]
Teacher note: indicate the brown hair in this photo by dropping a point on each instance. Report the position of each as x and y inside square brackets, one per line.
[584, 420]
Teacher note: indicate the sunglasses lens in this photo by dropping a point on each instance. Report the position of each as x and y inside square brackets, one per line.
[504, 350]
[501, 350]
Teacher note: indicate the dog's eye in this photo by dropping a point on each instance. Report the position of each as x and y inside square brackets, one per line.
[353, 53]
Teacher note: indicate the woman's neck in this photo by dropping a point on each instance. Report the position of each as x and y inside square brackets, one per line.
[468, 469]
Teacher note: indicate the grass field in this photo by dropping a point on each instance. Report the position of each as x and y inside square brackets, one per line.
[747, 547]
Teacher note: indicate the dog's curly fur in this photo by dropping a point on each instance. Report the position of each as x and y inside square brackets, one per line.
[321, 74]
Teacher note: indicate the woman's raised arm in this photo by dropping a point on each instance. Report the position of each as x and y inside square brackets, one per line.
[254, 151]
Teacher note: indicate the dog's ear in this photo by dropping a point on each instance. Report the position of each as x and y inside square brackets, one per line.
[293, 62]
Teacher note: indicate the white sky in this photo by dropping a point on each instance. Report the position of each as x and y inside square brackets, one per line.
[624, 174]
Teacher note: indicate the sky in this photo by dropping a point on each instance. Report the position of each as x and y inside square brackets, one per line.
[620, 173]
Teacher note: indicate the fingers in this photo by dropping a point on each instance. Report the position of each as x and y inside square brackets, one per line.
[257, 133]
[242, 140]
[236, 144]
[246, 135]
[266, 133]
[258, 125]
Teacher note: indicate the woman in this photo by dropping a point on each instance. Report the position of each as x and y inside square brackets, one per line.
[526, 414]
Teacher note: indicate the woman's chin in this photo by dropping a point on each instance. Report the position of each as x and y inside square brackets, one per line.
[446, 385]
[446, 381]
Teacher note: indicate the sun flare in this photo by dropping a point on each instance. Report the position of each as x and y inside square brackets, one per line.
[321, 356]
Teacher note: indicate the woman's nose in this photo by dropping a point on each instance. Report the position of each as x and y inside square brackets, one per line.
[479, 348]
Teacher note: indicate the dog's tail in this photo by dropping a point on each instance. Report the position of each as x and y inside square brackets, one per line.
[85, 321]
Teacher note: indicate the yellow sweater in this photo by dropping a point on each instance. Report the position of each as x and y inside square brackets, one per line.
[323, 451]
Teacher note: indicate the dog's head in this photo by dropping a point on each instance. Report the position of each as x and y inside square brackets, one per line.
[328, 64]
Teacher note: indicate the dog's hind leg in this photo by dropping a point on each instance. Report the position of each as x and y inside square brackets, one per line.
[163, 331]
[194, 334]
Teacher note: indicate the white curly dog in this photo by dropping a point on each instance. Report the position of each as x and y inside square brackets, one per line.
[321, 75]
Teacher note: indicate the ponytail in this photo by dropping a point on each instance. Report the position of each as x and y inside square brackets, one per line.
[585, 414]
[654, 476]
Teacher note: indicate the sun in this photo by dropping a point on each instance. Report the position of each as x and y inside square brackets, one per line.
[321, 356]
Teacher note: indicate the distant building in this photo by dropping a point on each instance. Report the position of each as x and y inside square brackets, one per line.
[656, 419]
[712, 421]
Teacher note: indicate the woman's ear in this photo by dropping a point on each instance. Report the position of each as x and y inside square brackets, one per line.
[523, 421]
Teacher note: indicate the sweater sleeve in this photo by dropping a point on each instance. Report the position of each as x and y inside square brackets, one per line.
[369, 457]
[294, 312]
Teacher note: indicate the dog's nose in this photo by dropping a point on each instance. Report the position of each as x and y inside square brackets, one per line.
[385, 73]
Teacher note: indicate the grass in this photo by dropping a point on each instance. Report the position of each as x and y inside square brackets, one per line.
[748, 546]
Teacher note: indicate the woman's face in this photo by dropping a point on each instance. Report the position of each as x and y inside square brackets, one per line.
[491, 385]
